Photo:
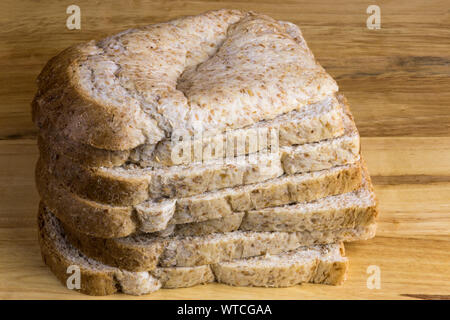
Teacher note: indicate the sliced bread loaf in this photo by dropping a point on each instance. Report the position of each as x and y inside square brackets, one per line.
[318, 264]
[107, 221]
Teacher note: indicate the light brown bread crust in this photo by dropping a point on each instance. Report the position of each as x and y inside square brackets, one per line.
[93, 283]
[103, 220]
[63, 104]
[80, 153]
[103, 94]
[113, 221]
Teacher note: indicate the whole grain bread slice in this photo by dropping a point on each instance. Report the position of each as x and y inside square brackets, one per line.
[129, 184]
[316, 122]
[146, 252]
[347, 210]
[108, 221]
[317, 264]
[122, 92]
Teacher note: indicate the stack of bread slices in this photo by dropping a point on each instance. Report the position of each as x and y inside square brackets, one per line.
[211, 148]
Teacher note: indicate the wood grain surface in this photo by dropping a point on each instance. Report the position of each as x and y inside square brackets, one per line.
[397, 80]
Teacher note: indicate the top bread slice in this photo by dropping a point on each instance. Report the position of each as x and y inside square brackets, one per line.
[315, 122]
[129, 184]
[221, 70]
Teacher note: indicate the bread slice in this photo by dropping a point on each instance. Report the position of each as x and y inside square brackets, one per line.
[220, 70]
[318, 264]
[107, 221]
[128, 184]
[348, 210]
[315, 122]
[147, 251]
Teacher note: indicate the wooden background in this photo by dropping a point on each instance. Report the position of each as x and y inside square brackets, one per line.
[397, 80]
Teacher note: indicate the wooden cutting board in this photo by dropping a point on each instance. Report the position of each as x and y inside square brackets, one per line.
[397, 80]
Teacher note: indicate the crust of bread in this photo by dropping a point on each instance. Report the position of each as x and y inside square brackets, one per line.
[63, 104]
[78, 152]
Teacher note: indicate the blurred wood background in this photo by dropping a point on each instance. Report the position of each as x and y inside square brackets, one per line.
[397, 80]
